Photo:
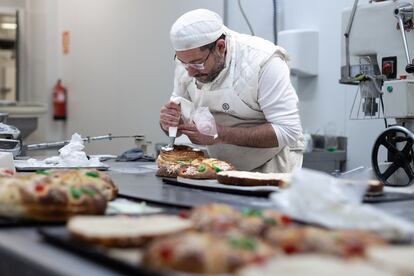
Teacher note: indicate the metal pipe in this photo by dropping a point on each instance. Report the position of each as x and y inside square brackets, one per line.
[226, 12]
[346, 34]
[52, 145]
[275, 21]
[351, 19]
[400, 13]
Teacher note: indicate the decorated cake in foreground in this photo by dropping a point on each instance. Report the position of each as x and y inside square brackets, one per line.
[55, 195]
[217, 238]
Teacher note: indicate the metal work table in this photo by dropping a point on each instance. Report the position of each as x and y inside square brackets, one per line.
[325, 161]
[22, 251]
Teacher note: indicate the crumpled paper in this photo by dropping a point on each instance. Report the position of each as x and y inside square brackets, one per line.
[319, 198]
[70, 155]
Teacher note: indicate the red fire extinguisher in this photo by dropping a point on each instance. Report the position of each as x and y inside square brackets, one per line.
[59, 101]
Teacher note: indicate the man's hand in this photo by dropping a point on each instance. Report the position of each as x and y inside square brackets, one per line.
[170, 115]
[195, 136]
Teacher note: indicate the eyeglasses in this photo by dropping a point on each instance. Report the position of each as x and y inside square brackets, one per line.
[197, 66]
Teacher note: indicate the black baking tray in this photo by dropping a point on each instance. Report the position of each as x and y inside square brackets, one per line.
[387, 197]
[19, 222]
[160, 203]
[374, 198]
[59, 236]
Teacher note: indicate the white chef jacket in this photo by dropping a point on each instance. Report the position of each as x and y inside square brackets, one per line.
[279, 102]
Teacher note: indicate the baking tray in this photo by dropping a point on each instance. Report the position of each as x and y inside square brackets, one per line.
[19, 222]
[387, 197]
[123, 260]
[162, 203]
[264, 191]
[213, 185]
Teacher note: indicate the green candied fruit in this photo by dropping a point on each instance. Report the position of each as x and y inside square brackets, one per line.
[76, 193]
[87, 191]
[246, 244]
[217, 169]
[270, 221]
[181, 163]
[247, 212]
[202, 168]
[44, 172]
[92, 174]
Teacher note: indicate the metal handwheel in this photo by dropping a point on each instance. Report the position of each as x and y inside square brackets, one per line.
[398, 142]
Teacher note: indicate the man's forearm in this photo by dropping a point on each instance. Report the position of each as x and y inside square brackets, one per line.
[262, 136]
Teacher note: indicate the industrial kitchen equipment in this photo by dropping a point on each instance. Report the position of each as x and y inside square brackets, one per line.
[375, 55]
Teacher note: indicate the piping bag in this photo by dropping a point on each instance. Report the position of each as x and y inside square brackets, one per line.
[172, 133]
[186, 111]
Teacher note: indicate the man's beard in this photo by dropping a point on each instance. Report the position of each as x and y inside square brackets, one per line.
[206, 78]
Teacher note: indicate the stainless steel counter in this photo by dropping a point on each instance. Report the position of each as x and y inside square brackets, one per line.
[22, 252]
[325, 161]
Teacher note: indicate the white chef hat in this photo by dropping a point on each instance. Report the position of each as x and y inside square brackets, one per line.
[196, 28]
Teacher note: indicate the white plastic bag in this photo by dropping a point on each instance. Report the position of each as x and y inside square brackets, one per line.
[317, 197]
[205, 122]
[72, 154]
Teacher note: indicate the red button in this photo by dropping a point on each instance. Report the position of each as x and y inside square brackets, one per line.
[386, 68]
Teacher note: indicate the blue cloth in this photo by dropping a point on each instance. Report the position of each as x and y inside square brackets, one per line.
[134, 154]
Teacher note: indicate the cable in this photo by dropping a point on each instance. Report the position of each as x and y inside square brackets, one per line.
[245, 17]
[275, 21]
[374, 80]
[382, 105]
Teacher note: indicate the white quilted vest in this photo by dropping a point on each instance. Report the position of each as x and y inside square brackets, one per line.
[249, 55]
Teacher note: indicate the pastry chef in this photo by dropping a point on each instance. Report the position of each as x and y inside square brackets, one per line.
[245, 82]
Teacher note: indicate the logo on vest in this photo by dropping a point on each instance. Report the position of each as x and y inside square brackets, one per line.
[225, 106]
